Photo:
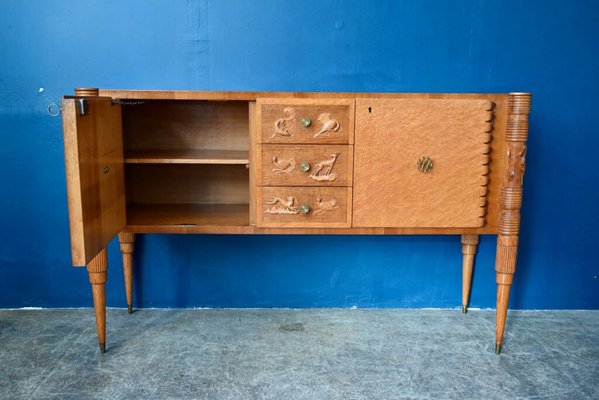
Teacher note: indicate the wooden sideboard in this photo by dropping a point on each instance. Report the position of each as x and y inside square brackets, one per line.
[293, 163]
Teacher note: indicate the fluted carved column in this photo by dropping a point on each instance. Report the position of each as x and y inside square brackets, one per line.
[96, 269]
[127, 242]
[510, 204]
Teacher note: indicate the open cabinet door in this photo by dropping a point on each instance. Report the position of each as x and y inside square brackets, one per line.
[93, 143]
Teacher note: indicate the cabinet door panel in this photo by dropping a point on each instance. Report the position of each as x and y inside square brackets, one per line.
[95, 175]
[306, 121]
[450, 137]
[323, 165]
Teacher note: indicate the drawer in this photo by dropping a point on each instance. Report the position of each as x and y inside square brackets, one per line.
[325, 165]
[315, 207]
[306, 121]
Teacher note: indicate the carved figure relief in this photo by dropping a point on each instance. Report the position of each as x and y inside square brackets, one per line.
[516, 155]
[282, 205]
[323, 171]
[282, 124]
[283, 166]
[329, 125]
[324, 205]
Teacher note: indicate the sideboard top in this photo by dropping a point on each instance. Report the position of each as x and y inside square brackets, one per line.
[251, 96]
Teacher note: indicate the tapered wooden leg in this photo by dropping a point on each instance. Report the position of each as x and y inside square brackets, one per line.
[127, 242]
[469, 244]
[504, 282]
[96, 269]
[510, 202]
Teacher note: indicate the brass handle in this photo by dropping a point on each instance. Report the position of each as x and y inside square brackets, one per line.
[306, 121]
[305, 166]
[105, 170]
[425, 164]
[304, 208]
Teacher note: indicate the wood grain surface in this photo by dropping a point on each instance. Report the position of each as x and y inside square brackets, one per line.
[95, 177]
[392, 135]
[281, 165]
[339, 217]
[289, 113]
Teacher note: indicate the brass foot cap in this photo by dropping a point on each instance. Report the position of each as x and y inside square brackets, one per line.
[497, 349]
[464, 309]
[130, 309]
[102, 347]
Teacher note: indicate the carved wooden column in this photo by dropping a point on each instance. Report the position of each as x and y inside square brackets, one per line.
[510, 203]
[469, 244]
[127, 242]
[96, 269]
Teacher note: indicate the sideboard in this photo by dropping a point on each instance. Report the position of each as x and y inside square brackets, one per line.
[293, 163]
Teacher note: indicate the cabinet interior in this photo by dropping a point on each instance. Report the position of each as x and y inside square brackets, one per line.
[186, 162]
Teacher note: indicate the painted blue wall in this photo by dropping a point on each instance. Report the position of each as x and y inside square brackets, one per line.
[550, 48]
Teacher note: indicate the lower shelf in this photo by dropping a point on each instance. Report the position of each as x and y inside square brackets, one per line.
[188, 214]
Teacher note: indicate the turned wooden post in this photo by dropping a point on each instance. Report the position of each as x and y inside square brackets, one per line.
[469, 244]
[96, 269]
[127, 242]
[510, 203]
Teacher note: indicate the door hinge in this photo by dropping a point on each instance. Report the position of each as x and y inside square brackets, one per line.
[82, 106]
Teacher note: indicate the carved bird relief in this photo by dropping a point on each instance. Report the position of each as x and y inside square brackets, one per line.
[283, 166]
[324, 205]
[282, 205]
[323, 171]
[329, 125]
[281, 125]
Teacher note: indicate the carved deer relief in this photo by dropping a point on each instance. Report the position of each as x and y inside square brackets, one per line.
[283, 166]
[282, 124]
[324, 205]
[329, 125]
[323, 171]
[282, 205]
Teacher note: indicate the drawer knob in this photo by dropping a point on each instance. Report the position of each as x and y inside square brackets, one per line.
[304, 208]
[306, 121]
[425, 164]
[305, 166]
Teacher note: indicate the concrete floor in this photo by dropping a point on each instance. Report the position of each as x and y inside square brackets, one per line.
[298, 354]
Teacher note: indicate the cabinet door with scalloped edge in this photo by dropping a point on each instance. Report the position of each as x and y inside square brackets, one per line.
[422, 162]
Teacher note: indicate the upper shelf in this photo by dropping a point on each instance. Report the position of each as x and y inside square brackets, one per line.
[187, 157]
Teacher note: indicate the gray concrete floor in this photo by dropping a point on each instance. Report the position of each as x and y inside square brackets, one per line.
[298, 354]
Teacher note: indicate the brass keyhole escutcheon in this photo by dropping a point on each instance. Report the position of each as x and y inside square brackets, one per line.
[306, 121]
[425, 164]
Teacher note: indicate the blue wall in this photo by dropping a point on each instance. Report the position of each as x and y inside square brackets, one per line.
[550, 48]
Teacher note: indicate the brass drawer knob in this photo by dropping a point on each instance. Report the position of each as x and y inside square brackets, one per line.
[305, 166]
[306, 121]
[304, 208]
[425, 164]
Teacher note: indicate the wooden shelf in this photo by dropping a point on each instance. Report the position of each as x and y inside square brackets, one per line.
[188, 215]
[187, 157]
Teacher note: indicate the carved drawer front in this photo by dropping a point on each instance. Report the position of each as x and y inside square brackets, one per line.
[325, 165]
[317, 121]
[315, 207]
[422, 162]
